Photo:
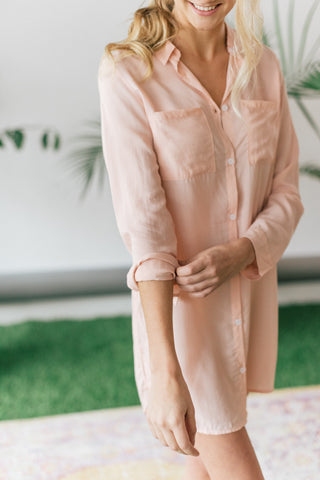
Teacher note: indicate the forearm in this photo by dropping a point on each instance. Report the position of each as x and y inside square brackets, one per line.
[244, 252]
[156, 299]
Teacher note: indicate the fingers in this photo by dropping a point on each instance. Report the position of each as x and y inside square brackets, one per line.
[171, 441]
[196, 282]
[166, 437]
[160, 436]
[153, 431]
[192, 268]
[177, 437]
[191, 425]
[183, 439]
[203, 293]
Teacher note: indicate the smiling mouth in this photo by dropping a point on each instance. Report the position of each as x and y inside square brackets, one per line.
[203, 8]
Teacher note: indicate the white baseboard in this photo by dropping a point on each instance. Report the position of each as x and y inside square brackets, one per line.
[59, 284]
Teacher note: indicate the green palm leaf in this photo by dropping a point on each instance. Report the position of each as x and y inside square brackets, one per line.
[17, 136]
[313, 51]
[305, 31]
[305, 81]
[312, 82]
[266, 38]
[311, 169]
[307, 115]
[85, 163]
[276, 16]
[303, 76]
[290, 34]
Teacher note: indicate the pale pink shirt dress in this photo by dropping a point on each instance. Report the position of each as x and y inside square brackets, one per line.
[186, 175]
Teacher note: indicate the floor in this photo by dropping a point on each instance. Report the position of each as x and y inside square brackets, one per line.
[116, 444]
[89, 307]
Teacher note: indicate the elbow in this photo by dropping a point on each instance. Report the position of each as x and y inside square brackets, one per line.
[301, 208]
[152, 266]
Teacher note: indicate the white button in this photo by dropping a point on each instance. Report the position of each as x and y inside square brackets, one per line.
[242, 369]
[224, 107]
[237, 321]
[232, 216]
[230, 161]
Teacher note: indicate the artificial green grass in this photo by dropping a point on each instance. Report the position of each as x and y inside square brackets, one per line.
[299, 346]
[65, 366]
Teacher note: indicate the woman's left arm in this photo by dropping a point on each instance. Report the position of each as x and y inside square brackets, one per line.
[274, 226]
[261, 246]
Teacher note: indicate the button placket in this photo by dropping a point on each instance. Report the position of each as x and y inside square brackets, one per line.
[232, 192]
[236, 304]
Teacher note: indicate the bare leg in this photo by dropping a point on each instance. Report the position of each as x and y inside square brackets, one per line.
[194, 469]
[223, 457]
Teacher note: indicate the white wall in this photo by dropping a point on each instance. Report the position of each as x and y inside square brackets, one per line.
[49, 60]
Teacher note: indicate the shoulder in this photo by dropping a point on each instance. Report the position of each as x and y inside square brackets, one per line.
[270, 76]
[270, 62]
[117, 82]
[128, 68]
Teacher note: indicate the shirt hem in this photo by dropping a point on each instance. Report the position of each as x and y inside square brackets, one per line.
[269, 390]
[221, 431]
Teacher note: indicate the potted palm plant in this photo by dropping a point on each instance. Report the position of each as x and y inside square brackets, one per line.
[48, 137]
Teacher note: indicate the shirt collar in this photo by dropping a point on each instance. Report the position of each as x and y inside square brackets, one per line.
[170, 51]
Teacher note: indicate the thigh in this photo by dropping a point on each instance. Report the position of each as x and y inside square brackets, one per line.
[195, 469]
[229, 455]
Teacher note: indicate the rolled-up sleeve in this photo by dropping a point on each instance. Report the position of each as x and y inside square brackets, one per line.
[143, 219]
[274, 226]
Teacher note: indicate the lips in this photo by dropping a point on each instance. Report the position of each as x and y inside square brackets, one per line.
[204, 11]
[206, 4]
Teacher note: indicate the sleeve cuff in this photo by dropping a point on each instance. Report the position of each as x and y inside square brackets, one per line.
[153, 266]
[263, 261]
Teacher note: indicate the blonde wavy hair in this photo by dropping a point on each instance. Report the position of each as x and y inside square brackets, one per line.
[153, 25]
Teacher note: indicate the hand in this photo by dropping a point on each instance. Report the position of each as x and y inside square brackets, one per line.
[170, 413]
[208, 269]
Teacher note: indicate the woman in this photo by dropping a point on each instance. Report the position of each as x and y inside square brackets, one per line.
[202, 159]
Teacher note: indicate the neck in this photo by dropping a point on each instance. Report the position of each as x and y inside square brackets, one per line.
[204, 45]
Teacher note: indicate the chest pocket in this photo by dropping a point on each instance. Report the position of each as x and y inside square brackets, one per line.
[261, 118]
[183, 143]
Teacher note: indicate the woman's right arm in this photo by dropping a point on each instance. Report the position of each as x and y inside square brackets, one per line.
[148, 231]
[170, 411]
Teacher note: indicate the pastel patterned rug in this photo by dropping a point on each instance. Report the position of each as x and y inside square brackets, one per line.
[116, 444]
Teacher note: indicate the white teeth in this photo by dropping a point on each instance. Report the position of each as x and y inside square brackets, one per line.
[204, 9]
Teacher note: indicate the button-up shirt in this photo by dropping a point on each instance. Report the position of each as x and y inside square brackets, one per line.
[186, 175]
